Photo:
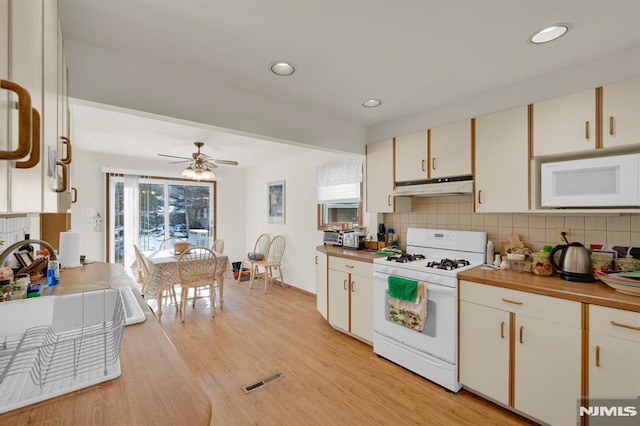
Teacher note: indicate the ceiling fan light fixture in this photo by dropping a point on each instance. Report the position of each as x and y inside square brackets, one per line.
[188, 172]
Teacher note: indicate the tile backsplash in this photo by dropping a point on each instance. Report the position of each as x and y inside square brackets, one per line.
[456, 212]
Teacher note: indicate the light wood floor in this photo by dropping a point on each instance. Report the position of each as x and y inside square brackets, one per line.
[329, 377]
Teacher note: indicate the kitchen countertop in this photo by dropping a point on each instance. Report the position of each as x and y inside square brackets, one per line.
[360, 255]
[596, 293]
[155, 387]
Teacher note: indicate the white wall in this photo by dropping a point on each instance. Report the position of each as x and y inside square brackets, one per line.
[300, 230]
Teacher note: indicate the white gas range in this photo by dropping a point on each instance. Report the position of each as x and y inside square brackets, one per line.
[435, 257]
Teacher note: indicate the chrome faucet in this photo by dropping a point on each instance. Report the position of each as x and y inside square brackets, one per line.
[12, 247]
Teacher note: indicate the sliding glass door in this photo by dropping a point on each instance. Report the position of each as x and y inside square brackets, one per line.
[146, 211]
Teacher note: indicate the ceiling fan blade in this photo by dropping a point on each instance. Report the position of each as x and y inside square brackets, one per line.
[174, 156]
[209, 164]
[228, 162]
[182, 161]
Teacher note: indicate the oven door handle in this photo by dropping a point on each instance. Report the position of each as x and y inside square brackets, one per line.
[435, 288]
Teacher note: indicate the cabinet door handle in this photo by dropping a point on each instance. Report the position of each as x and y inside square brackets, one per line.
[316, 260]
[480, 196]
[349, 266]
[353, 286]
[597, 356]
[521, 333]
[74, 198]
[34, 157]
[586, 130]
[611, 125]
[67, 143]
[24, 121]
[630, 327]
[424, 163]
[502, 330]
[345, 284]
[433, 163]
[64, 177]
[511, 301]
[389, 200]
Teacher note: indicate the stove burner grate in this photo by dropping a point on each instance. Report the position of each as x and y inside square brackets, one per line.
[448, 264]
[405, 257]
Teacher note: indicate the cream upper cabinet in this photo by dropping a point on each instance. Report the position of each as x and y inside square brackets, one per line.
[621, 113]
[49, 120]
[411, 157]
[381, 181]
[25, 67]
[450, 148]
[544, 333]
[501, 159]
[614, 351]
[4, 104]
[565, 124]
[321, 283]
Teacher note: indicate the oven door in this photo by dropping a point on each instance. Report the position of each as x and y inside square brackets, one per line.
[439, 335]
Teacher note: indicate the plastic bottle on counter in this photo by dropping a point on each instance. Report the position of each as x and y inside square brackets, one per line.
[53, 272]
[490, 252]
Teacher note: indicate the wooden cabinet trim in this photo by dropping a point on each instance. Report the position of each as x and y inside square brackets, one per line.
[599, 118]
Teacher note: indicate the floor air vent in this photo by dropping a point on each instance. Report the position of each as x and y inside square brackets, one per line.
[262, 383]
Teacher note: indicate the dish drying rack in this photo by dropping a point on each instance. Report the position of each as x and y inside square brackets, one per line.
[53, 345]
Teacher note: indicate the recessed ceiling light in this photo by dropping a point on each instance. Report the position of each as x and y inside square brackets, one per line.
[371, 103]
[282, 68]
[549, 34]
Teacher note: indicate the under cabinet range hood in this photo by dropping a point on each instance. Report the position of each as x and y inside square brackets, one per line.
[455, 185]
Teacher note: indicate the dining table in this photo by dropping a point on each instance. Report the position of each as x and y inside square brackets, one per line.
[163, 266]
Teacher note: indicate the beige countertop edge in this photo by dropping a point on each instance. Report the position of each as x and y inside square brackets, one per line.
[596, 293]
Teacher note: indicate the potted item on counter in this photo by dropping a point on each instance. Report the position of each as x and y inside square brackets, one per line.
[541, 264]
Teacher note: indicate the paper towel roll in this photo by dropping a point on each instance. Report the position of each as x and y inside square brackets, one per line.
[69, 252]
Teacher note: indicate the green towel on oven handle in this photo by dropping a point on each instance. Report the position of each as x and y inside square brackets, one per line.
[402, 288]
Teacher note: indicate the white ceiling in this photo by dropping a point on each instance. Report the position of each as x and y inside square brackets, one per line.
[207, 61]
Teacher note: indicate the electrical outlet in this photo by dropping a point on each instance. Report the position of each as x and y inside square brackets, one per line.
[567, 232]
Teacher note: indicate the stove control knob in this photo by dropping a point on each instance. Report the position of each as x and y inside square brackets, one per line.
[388, 270]
[436, 279]
[426, 277]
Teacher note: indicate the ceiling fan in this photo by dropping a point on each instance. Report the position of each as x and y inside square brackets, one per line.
[201, 164]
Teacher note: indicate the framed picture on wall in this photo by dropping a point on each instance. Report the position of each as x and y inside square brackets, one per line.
[276, 197]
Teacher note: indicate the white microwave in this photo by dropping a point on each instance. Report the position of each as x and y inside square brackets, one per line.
[592, 182]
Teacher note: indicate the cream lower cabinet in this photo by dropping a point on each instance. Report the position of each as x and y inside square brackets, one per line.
[522, 350]
[614, 353]
[350, 295]
[321, 283]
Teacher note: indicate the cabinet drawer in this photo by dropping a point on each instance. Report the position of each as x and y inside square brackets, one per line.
[351, 266]
[626, 323]
[552, 309]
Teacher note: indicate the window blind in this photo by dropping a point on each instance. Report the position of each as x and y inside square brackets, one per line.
[339, 182]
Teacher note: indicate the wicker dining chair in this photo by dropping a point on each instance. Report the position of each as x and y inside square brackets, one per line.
[259, 253]
[197, 267]
[272, 261]
[218, 246]
[143, 275]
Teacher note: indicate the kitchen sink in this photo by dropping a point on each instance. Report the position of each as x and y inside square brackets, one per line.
[133, 312]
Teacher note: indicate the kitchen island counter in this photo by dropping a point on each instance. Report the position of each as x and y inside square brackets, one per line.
[596, 293]
[155, 387]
